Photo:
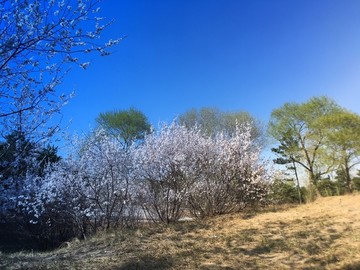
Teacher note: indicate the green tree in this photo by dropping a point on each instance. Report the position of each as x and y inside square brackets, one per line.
[286, 155]
[127, 125]
[20, 156]
[211, 120]
[300, 122]
[340, 179]
[342, 131]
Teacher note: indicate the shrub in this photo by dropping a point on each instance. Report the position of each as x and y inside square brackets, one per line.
[356, 183]
[181, 168]
[285, 191]
[326, 187]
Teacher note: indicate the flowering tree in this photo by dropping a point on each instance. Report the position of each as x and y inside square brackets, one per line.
[13, 178]
[231, 175]
[181, 168]
[174, 172]
[38, 41]
[91, 189]
[165, 165]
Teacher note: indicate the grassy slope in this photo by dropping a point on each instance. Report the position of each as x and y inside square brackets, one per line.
[321, 235]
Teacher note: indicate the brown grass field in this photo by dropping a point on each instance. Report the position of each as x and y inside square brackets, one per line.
[324, 234]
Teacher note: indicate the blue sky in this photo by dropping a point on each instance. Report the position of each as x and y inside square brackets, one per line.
[232, 54]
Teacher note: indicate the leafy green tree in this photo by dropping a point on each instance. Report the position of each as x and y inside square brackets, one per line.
[300, 122]
[211, 120]
[340, 178]
[342, 131]
[127, 125]
[287, 156]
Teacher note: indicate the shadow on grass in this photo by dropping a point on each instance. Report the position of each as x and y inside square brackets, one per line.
[309, 244]
[251, 247]
[353, 266]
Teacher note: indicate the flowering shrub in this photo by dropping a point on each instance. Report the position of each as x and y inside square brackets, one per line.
[92, 189]
[166, 167]
[181, 168]
[40, 40]
[231, 175]
[176, 171]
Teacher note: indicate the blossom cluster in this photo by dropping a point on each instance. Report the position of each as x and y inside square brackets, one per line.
[175, 171]
[39, 42]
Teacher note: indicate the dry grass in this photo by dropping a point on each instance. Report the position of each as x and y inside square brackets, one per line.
[321, 235]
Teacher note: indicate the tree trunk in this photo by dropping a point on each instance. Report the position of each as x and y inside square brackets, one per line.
[313, 182]
[348, 177]
[297, 180]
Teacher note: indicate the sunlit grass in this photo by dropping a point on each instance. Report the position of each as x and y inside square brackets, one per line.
[321, 235]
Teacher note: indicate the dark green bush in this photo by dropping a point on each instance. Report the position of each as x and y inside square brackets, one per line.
[285, 191]
[326, 187]
[356, 183]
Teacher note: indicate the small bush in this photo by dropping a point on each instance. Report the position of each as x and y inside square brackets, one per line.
[356, 183]
[327, 187]
[285, 191]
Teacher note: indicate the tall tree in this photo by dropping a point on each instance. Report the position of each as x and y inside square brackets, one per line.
[208, 118]
[40, 40]
[342, 137]
[286, 155]
[211, 121]
[127, 125]
[301, 123]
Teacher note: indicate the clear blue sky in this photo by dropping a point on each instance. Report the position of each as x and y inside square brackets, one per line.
[231, 54]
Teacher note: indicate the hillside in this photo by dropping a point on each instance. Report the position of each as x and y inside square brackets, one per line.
[321, 235]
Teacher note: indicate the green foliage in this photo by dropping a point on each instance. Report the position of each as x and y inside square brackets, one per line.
[311, 193]
[356, 182]
[326, 187]
[300, 133]
[341, 181]
[19, 156]
[342, 138]
[127, 125]
[211, 120]
[285, 191]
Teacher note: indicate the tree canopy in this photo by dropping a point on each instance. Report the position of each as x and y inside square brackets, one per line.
[127, 125]
[211, 120]
[318, 135]
[299, 124]
[342, 138]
